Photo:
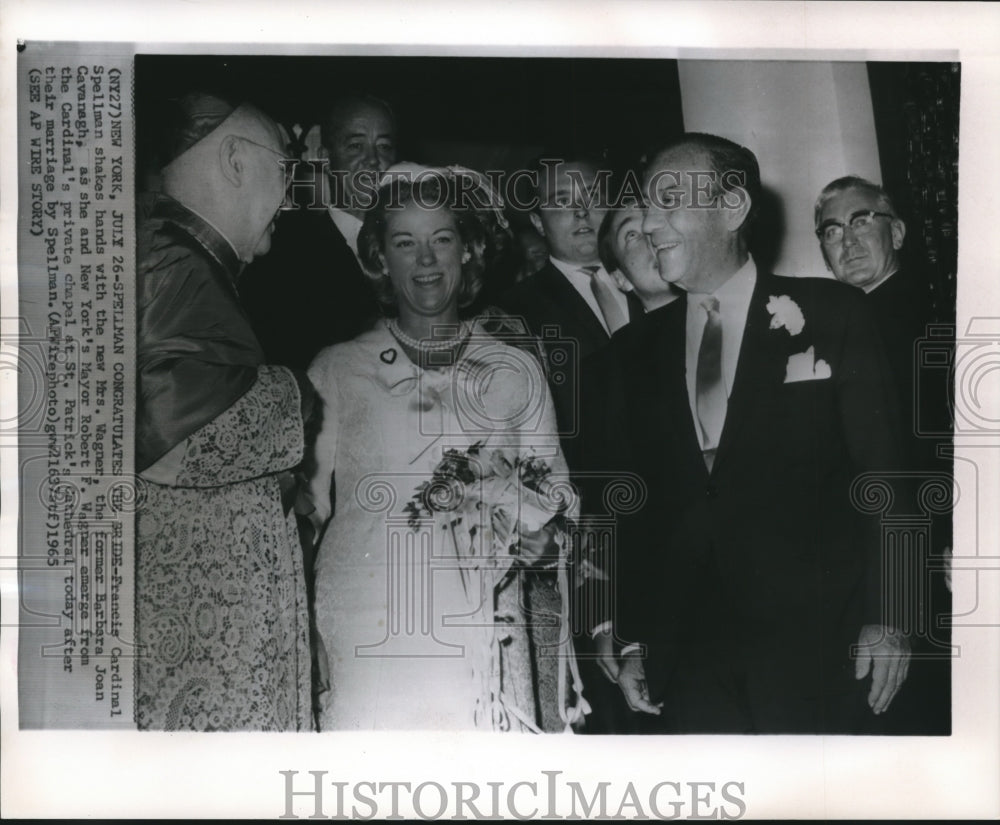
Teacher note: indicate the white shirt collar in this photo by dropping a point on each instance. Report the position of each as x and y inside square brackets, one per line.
[349, 226]
[580, 281]
[736, 292]
[573, 271]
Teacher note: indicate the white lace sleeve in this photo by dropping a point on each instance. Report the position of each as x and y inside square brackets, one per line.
[260, 434]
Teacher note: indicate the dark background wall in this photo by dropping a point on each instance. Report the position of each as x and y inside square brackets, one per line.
[916, 109]
[485, 113]
[499, 113]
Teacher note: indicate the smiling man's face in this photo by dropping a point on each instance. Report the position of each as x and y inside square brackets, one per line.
[691, 241]
[571, 212]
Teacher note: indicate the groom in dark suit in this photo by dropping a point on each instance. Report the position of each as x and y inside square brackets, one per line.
[751, 580]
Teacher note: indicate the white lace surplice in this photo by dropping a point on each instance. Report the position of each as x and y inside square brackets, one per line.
[221, 601]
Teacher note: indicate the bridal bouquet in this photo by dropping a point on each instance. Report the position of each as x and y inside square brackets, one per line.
[493, 503]
[487, 499]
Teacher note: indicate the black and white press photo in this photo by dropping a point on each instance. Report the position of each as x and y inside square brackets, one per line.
[399, 476]
[571, 428]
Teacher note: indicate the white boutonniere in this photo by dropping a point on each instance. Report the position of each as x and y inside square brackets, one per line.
[785, 313]
[805, 367]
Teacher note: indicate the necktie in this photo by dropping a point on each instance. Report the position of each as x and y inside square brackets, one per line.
[710, 389]
[614, 317]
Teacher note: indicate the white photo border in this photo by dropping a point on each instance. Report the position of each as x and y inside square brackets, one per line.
[225, 775]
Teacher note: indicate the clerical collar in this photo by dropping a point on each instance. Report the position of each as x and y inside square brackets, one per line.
[879, 282]
[208, 236]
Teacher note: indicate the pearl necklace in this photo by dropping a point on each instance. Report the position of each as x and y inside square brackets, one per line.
[427, 344]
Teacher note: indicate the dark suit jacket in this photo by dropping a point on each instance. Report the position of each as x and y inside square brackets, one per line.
[607, 483]
[766, 558]
[308, 292]
[902, 308]
[570, 332]
[903, 312]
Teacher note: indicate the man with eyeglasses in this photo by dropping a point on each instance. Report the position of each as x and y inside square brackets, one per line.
[861, 239]
[221, 606]
[859, 232]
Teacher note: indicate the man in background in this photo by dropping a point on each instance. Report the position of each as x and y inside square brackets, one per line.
[572, 298]
[311, 291]
[862, 239]
[625, 253]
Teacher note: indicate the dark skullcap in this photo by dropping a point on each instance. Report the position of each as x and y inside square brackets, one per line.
[191, 118]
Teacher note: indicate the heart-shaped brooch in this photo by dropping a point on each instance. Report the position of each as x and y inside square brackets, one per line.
[388, 356]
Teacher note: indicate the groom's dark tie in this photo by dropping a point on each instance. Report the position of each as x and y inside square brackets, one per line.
[710, 389]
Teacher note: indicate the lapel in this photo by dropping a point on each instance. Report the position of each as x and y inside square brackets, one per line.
[571, 303]
[312, 241]
[342, 261]
[635, 309]
[665, 438]
[337, 240]
[355, 293]
[761, 364]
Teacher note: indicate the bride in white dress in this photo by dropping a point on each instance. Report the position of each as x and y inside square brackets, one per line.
[416, 637]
